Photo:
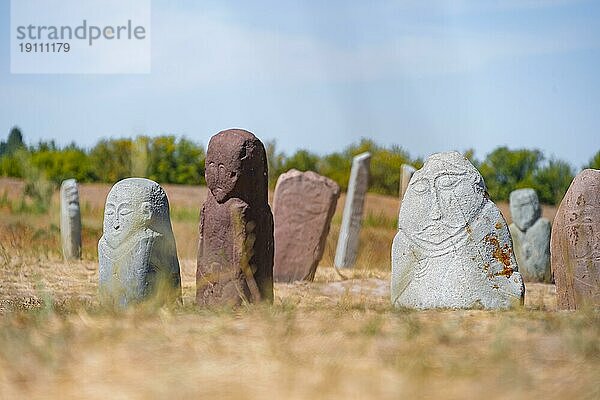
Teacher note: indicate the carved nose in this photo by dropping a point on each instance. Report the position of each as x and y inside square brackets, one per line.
[116, 227]
[435, 211]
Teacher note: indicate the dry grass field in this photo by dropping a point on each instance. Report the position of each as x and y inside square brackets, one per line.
[335, 338]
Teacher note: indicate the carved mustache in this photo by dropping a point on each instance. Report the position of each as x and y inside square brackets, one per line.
[440, 228]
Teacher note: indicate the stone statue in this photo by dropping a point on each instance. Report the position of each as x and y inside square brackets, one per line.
[235, 252]
[575, 243]
[348, 240]
[303, 205]
[531, 236]
[453, 248]
[70, 220]
[137, 251]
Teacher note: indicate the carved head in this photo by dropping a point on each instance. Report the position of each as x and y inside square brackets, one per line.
[236, 166]
[134, 204]
[441, 199]
[524, 208]
[70, 197]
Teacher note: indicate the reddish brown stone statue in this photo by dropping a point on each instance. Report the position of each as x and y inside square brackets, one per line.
[235, 253]
[575, 243]
[303, 205]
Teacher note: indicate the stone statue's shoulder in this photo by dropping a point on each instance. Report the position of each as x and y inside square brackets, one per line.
[237, 205]
[541, 225]
[400, 239]
[489, 219]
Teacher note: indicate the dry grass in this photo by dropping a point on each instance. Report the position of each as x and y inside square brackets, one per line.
[334, 338]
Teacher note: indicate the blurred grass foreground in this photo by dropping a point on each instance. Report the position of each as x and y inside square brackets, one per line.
[338, 337]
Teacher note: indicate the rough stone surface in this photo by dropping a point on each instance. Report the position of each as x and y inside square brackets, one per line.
[137, 251]
[531, 236]
[406, 172]
[303, 205]
[453, 248]
[70, 220]
[575, 243]
[348, 240]
[235, 253]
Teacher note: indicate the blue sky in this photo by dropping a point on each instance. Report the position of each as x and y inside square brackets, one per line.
[428, 76]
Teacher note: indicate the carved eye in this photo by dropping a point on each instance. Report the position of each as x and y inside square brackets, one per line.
[110, 211]
[125, 211]
[448, 181]
[421, 186]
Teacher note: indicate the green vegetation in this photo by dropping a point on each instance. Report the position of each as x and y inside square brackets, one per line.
[505, 170]
[168, 159]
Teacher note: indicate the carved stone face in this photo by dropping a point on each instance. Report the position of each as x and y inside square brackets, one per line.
[223, 167]
[524, 208]
[126, 213]
[71, 197]
[441, 199]
[236, 167]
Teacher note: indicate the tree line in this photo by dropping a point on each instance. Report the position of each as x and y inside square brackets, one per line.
[171, 159]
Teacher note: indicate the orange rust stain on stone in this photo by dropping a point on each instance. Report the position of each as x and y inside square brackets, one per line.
[469, 229]
[501, 254]
[498, 225]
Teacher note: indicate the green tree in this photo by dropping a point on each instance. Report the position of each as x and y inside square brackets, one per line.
[111, 159]
[15, 140]
[505, 170]
[302, 160]
[59, 165]
[552, 181]
[595, 161]
[189, 160]
[336, 166]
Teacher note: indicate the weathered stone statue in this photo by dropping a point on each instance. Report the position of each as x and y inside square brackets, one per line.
[575, 243]
[70, 220]
[531, 236]
[452, 249]
[137, 251]
[235, 253]
[406, 172]
[348, 240]
[303, 206]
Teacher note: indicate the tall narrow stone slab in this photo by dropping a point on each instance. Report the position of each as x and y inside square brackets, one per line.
[575, 243]
[70, 220]
[453, 248]
[137, 251]
[406, 172]
[235, 252]
[347, 245]
[303, 205]
[531, 236]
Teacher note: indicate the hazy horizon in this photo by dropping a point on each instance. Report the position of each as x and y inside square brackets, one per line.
[435, 77]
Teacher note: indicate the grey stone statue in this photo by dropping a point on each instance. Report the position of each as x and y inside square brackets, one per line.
[70, 220]
[137, 251]
[531, 236]
[348, 240]
[453, 248]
